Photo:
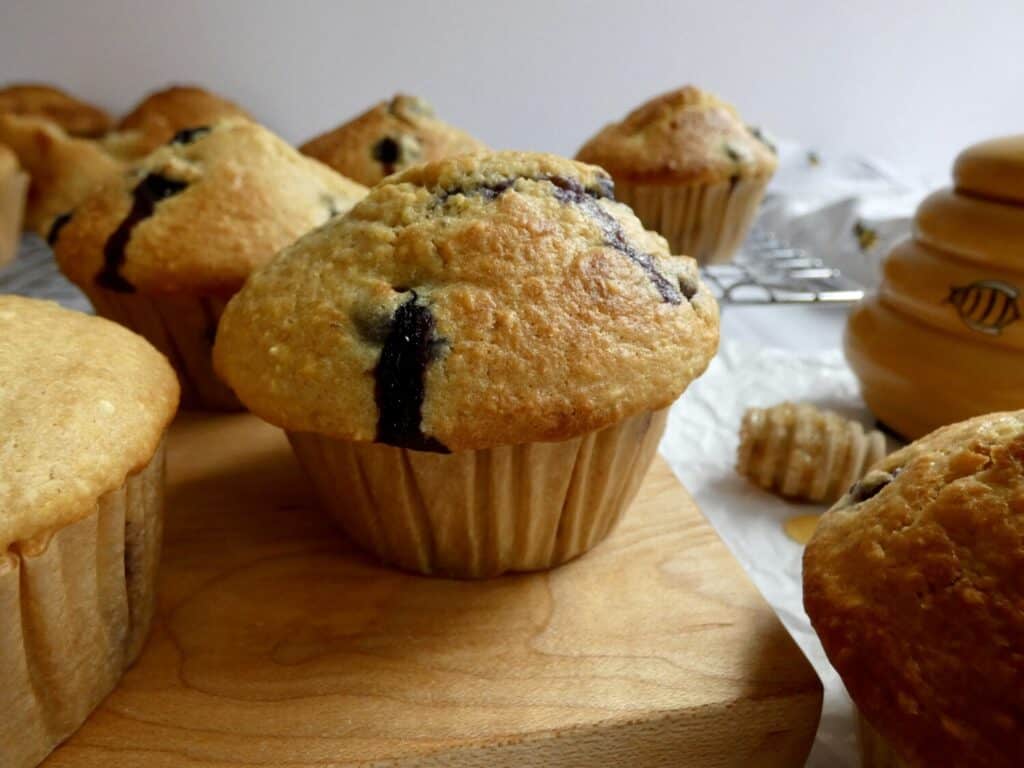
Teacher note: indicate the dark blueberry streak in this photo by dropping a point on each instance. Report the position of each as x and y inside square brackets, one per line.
[147, 193]
[606, 187]
[571, 192]
[615, 237]
[58, 224]
[760, 136]
[866, 488]
[188, 135]
[408, 349]
[387, 152]
[687, 287]
[330, 205]
[603, 188]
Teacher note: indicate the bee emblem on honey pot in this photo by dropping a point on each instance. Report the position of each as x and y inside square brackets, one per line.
[986, 306]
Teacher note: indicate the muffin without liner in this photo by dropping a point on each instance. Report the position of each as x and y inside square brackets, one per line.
[913, 583]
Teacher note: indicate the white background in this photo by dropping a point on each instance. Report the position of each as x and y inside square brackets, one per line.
[906, 81]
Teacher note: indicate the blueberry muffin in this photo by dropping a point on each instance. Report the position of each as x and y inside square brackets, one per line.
[474, 364]
[162, 114]
[84, 406]
[943, 340]
[690, 168]
[13, 188]
[387, 138]
[73, 116]
[913, 583]
[62, 169]
[162, 247]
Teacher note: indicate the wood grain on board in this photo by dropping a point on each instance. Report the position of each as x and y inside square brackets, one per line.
[277, 644]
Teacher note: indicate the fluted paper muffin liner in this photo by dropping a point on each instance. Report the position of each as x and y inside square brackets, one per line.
[77, 606]
[184, 329]
[875, 751]
[476, 514]
[706, 221]
[13, 190]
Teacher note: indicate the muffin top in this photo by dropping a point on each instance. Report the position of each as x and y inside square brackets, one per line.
[389, 137]
[197, 215]
[74, 116]
[993, 168]
[476, 301]
[63, 169]
[162, 114]
[684, 136]
[914, 582]
[83, 404]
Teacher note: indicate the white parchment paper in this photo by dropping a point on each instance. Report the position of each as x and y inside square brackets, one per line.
[700, 445]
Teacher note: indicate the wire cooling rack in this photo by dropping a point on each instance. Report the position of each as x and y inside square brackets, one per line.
[34, 273]
[766, 271]
[771, 271]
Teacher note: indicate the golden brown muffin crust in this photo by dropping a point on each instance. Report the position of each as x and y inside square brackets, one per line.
[63, 169]
[993, 169]
[477, 301]
[687, 135]
[163, 113]
[914, 582]
[83, 404]
[389, 137]
[198, 215]
[75, 117]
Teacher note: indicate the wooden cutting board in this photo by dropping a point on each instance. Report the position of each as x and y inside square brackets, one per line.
[277, 645]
